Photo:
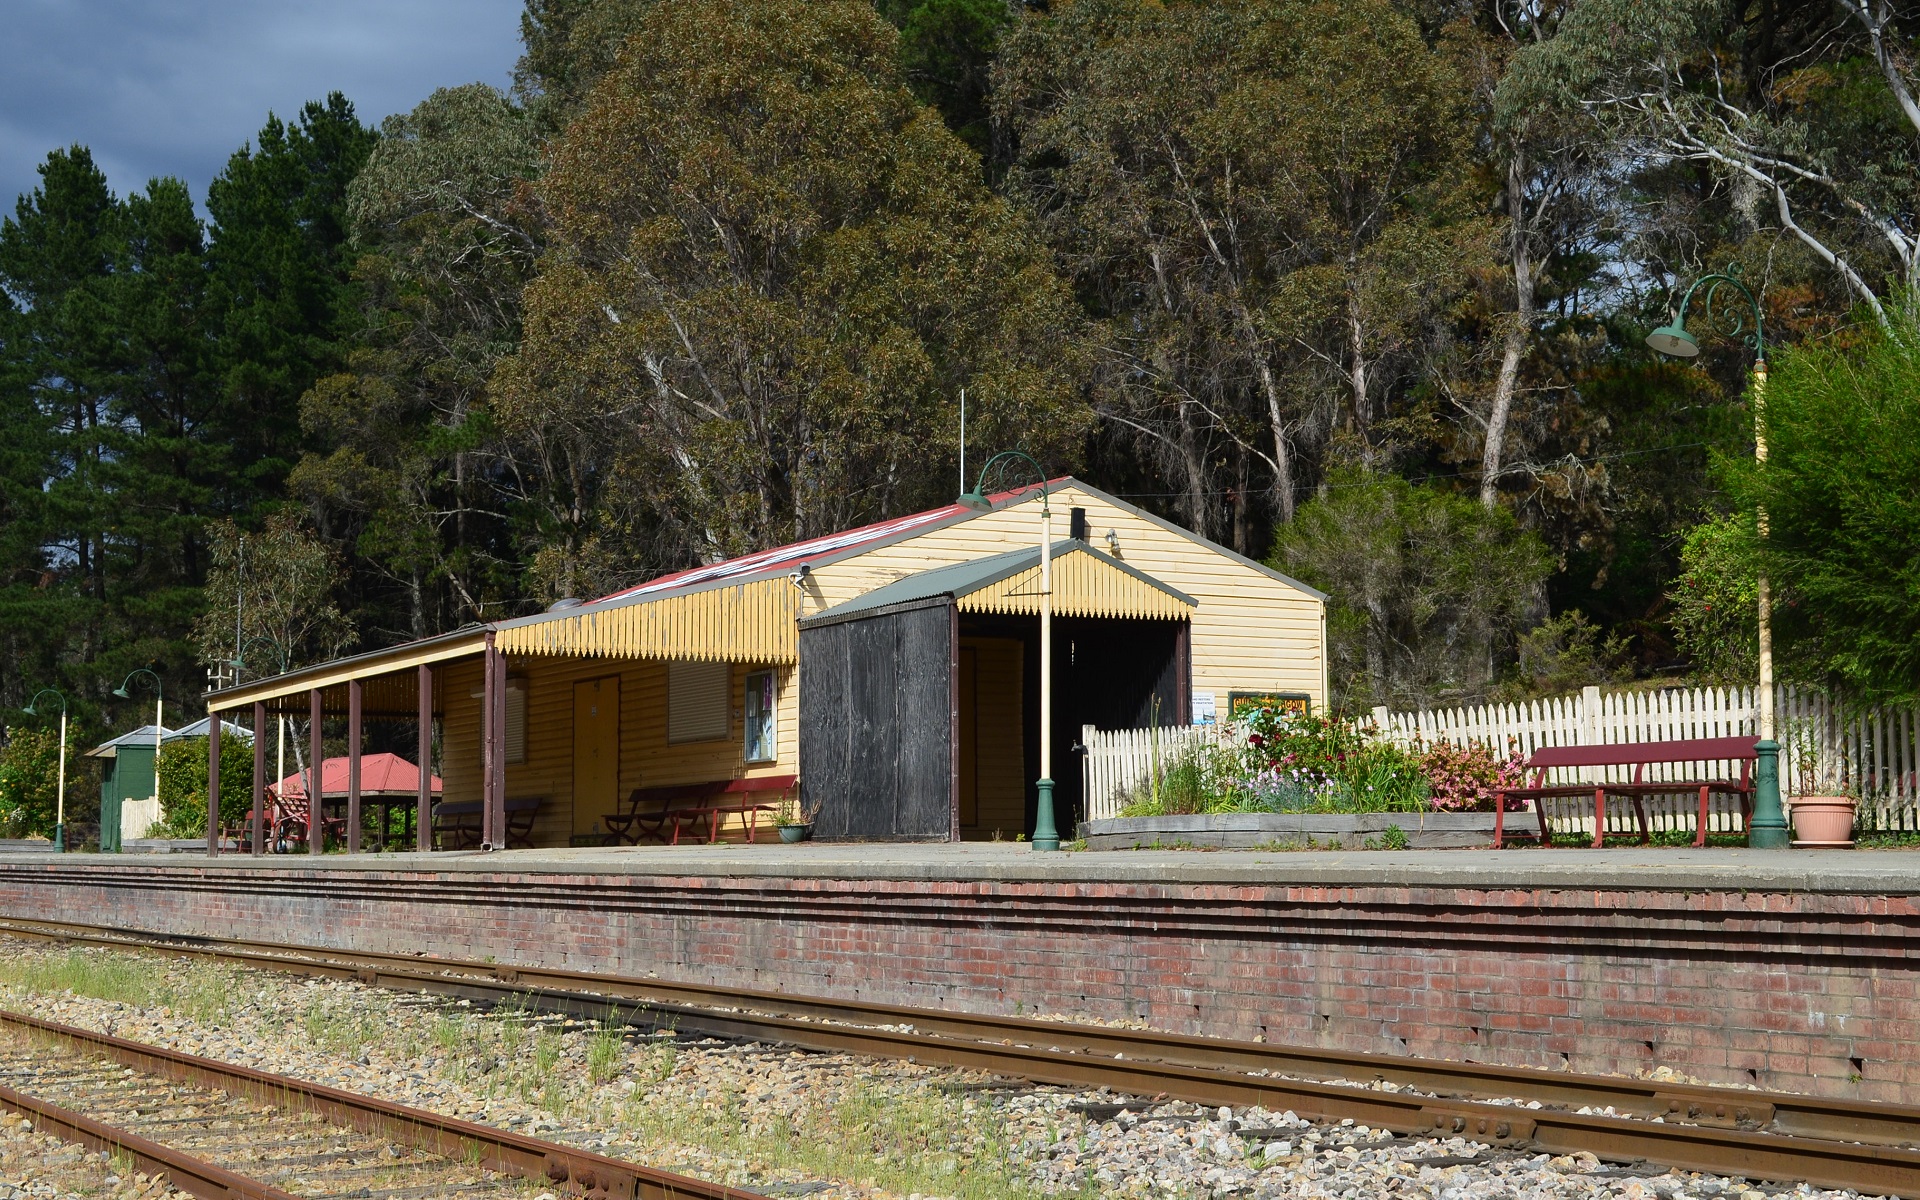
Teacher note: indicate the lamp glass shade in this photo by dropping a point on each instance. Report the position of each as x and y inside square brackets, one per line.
[1674, 341]
[29, 711]
[122, 692]
[974, 501]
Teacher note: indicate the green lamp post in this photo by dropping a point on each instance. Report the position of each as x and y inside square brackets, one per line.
[1045, 835]
[1768, 829]
[125, 692]
[60, 811]
[239, 663]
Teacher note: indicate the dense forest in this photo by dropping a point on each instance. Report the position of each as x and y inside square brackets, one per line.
[1360, 289]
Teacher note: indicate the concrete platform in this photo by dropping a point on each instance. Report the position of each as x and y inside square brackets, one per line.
[1844, 872]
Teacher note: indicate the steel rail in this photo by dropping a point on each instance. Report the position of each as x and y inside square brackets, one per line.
[195, 1176]
[1718, 1130]
[692, 1007]
[573, 1170]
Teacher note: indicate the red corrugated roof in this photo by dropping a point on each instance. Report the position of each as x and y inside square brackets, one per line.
[791, 557]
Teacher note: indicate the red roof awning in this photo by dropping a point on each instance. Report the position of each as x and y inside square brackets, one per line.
[380, 775]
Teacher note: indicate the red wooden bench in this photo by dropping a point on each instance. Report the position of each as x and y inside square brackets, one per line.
[651, 812]
[1639, 756]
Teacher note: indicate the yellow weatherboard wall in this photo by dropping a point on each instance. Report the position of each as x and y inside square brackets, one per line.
[647, 759]
[1251, 631]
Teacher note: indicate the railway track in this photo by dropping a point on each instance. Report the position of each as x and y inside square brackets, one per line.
[227, 1132]
[1759, 1135]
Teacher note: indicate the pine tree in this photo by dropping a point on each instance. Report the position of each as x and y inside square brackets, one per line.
[280, 280]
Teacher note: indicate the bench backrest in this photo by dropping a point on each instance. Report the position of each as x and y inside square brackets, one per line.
[1629, 754]
[671, 792]
[761, 783]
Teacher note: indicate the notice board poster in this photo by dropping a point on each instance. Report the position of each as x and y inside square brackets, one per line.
[1244, 704]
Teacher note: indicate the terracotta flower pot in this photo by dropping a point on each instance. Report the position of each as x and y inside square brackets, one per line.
[1823, 820]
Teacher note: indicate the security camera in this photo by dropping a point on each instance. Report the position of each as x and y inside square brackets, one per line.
[799, 578]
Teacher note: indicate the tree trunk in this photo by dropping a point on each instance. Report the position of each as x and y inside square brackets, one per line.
[1357, 373]
[1519, 335]
[1241, 531]
[1282, 450]
[1195, 463]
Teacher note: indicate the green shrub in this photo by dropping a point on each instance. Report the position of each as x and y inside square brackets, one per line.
[29, 781]
[1841, 492]
[183, 785]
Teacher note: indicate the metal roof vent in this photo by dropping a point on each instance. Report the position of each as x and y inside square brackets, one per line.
[564, 603]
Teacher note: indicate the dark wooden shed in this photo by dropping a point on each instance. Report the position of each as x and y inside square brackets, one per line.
[881, 729]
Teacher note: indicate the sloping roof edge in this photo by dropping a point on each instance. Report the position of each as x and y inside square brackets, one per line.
[1191, 536]
[957, 580]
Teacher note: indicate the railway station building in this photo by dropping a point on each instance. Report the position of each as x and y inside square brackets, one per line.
[887, 672]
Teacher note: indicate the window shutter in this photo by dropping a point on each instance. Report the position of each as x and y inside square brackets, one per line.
[697, 701]
[516, 721]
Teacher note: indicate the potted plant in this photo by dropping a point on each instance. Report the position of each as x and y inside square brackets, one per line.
[796, 818]
[1821, 810]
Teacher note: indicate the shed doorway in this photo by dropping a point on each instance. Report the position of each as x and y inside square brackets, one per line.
[596, 752]
[1110, 673]
[992, 759]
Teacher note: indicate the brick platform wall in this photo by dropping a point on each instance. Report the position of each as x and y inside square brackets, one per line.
[1814, 993]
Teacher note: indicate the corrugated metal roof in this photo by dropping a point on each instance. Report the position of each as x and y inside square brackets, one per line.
[597, 627]
[748, 621]
[1110, 588]
[143, 736]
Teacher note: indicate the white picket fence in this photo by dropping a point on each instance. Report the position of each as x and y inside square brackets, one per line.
[1875, 753]
[1117, 761]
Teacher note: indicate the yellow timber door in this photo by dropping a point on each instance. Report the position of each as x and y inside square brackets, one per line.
[969, 782]
[596, 751]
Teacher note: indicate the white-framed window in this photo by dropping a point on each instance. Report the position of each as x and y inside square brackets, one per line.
[698, 701]
[763, 740]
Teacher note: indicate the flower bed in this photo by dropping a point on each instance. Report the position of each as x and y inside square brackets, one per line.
[1284, 763]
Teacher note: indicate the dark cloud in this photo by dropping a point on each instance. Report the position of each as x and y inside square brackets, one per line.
[172, 87]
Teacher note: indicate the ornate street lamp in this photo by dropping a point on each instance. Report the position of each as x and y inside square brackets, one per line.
[1768, 829]
[60, 813]
[1045, 835]
[239, 663]
[125, 692]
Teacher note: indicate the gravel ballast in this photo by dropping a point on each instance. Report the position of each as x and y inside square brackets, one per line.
[777, 1121]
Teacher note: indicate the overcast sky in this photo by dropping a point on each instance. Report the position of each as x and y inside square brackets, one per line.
[172, 87]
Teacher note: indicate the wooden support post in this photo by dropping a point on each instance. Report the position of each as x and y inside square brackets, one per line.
[259, 777]
[213, 782]
[355, 700]
[499, 750]
[490, 749]
[316, 811]
[423, 819]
